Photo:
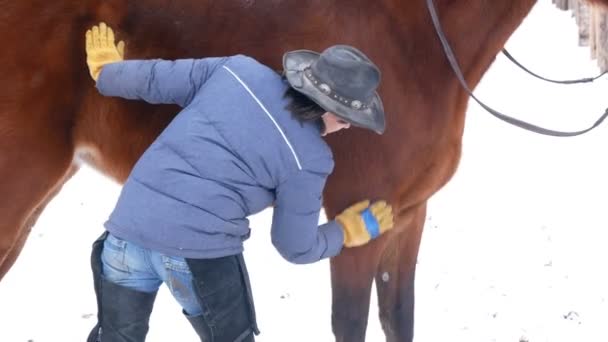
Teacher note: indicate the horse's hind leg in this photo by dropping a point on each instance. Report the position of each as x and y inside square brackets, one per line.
[31, 166]
[395, 279]
[15, 250]
[352, 274]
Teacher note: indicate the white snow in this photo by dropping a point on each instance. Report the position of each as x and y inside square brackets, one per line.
[513, 248]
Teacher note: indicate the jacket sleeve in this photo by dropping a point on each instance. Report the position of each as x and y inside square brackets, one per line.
[296, 233]
[157, 80]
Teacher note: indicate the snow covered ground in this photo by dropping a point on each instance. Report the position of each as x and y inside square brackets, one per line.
[513, 249]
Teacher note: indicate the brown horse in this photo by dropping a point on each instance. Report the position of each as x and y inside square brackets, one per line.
[51, 116]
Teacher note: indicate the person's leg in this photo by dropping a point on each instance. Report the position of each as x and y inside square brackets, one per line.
[126, 288]
[223, 291]
[175, 273]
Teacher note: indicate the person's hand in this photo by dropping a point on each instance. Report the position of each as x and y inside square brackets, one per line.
[362, 222]
[101, 49]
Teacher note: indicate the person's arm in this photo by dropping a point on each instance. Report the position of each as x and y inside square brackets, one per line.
[157, 81]
[295, 231]
[154, 81]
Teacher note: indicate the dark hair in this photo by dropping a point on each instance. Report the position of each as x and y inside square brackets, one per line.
[302, 107]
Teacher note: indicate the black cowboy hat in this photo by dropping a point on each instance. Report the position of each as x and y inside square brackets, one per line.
[342, 80]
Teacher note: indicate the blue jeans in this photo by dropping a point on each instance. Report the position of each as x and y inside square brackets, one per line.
[144, 270]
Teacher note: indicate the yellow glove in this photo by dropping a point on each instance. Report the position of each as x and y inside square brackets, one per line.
[101, 49]
[362, 223]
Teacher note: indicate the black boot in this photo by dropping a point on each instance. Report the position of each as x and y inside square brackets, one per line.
[122, 313]
[202, 329]
[200, 326]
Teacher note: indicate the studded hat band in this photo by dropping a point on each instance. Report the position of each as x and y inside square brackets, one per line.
[326, 89]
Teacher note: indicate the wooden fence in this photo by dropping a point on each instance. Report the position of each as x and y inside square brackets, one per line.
[592, 28]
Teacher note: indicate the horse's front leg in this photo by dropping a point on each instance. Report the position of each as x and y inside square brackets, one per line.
[22, 235]
[34, 160]
[396, 276]
[352, 274]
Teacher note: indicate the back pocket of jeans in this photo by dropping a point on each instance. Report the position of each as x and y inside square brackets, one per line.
[114, 254]
[175, 264]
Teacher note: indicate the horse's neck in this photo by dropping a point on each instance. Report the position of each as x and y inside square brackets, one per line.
[478, 29]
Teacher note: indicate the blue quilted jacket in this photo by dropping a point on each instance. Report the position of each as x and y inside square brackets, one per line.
[232, 151]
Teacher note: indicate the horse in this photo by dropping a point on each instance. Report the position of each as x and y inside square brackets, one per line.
[52, 118]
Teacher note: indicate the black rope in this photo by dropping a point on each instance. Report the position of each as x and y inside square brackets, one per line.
[582, 80]
[516, 122]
